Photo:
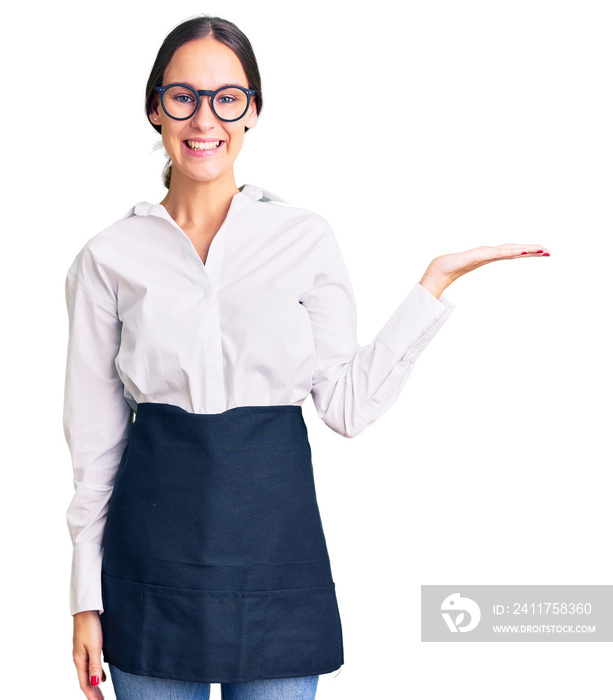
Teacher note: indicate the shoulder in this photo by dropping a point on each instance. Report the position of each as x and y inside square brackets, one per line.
[274, 205]
[119, 238]
[95, 263]
[287, 219]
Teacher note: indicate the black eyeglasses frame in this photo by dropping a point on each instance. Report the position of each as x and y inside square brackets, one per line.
[211, 94]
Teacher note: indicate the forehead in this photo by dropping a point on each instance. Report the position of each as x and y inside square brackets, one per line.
[205, 63]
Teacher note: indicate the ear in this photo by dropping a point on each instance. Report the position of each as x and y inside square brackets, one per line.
[252, 115]
[154, 112]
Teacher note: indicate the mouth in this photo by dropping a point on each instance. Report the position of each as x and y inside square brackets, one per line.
[203, 145]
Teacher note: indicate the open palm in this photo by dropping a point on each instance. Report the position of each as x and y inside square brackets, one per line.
[445, 269]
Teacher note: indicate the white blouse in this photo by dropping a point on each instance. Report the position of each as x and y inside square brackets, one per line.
[268, 319]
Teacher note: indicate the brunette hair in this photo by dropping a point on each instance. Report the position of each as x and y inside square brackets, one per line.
[202, 27]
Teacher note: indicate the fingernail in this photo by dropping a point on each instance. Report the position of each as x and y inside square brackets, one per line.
[539, 251]
[544, 254]
[95, 680]
[525, 252]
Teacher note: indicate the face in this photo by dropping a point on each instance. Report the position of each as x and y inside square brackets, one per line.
[204, 64]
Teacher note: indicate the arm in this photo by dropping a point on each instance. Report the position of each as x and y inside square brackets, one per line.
[96, 423]
[353, 385]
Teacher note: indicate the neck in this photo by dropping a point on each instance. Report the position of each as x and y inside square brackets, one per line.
[191, 203]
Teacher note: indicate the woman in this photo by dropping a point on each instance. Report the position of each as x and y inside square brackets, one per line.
[198, 327]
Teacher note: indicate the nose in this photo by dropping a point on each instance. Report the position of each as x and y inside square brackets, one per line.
[204, 117]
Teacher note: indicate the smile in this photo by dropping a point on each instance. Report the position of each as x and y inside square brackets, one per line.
[203, 145]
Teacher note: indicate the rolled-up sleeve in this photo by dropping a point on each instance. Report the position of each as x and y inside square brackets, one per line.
[354, 385]
[96, 425]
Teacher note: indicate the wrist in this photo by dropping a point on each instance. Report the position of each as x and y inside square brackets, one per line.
[85, 614]
[435, 281]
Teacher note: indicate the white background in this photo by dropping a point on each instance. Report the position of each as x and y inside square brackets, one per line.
[416, 128]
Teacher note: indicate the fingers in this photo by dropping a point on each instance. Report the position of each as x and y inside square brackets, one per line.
[516, 250]
[90, 674]
[95, 669]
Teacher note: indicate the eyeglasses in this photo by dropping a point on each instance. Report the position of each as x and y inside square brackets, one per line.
[229, 103]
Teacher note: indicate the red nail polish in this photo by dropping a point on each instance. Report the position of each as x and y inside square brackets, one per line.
[544, 254]
[539, 251]
[525, 252]
[95, 680]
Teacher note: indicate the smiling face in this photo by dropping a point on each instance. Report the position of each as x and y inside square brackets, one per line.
[203, 148]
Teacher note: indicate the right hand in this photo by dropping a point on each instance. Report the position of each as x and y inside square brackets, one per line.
[86, 652]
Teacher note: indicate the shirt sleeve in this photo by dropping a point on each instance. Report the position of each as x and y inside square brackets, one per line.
[96, 425]
[354, 385]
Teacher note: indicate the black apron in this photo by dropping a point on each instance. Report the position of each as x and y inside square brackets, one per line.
[215, 564]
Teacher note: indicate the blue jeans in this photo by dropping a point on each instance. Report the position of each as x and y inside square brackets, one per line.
[131, 687]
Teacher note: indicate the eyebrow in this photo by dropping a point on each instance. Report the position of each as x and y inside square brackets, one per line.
[191, 85]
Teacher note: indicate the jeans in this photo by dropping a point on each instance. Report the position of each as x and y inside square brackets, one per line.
[130, 687]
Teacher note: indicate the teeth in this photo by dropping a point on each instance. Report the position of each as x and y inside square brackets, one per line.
[203, 145]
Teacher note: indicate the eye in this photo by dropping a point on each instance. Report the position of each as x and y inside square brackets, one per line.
[180, 95]
[226, 99]
[183, 97]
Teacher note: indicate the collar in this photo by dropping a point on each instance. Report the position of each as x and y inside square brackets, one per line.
[260, 195]
[256, 194]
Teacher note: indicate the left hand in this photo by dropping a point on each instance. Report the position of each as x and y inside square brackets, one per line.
[445, 269]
